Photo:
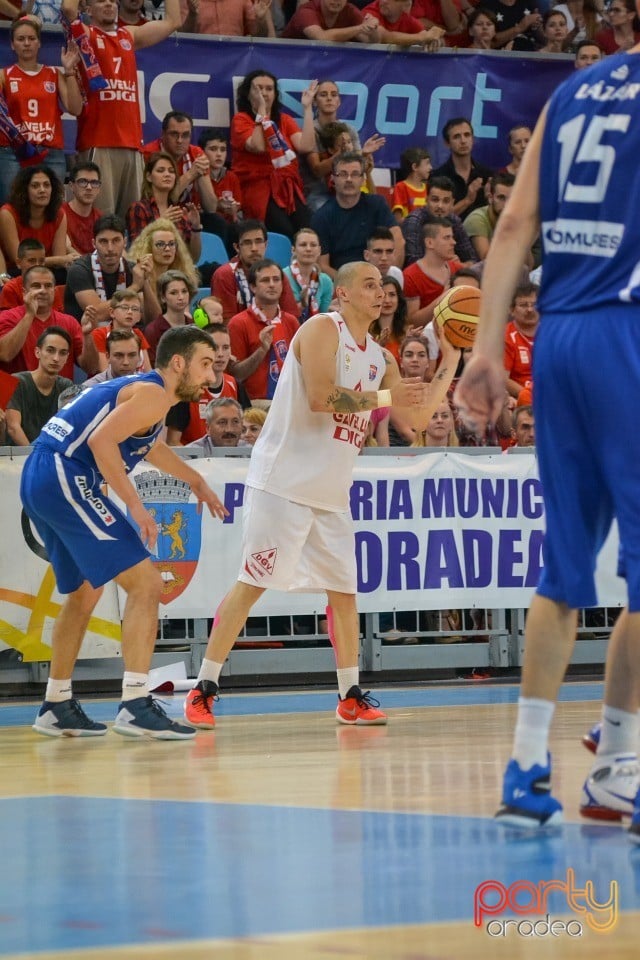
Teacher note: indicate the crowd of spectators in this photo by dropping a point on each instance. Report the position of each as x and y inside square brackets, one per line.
[101, 252]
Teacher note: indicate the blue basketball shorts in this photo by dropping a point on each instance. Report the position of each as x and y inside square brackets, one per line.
[586, 374]
[85, 535]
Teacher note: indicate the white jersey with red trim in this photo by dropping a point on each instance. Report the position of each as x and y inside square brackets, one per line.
[308, 457]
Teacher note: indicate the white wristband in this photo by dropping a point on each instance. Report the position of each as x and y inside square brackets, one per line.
[384, 398]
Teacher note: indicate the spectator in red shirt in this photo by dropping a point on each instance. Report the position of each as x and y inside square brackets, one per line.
[34, 209]
[261, 335]
[428, 278]
[159, 196]
[265, 144]
[334, 21]
[446, 14]
[81, 212]
[30, 254]
[36, 96]
[519, 336]
[400, 28]
[21, 327]
[230, 282]
[225, 183]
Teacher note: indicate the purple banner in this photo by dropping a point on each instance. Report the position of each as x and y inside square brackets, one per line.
[405, 96]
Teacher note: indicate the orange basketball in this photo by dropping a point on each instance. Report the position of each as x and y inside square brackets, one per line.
[457, 315]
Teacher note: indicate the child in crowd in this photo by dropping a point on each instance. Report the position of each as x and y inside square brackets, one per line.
[225, 183]
[334, 138]
[411, 192]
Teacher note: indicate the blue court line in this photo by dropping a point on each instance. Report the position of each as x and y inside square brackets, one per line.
[100, 872]
[237, 705]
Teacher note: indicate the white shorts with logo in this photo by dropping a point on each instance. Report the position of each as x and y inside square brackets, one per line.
[290, 546]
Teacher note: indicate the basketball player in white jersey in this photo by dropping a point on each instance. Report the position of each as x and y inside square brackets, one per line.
[298, 532]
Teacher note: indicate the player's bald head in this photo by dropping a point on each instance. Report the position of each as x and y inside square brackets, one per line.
[351, 274]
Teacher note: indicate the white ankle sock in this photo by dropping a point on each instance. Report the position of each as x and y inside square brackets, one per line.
[211, 670]
[135, 685]
[619, 731]
[58, 690]
[531, 739]
[347, 677]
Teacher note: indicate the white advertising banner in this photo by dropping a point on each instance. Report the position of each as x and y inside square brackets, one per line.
[433, 531]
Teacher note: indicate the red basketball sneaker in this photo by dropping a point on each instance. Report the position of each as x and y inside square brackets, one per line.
[198, 707]
[360, 709]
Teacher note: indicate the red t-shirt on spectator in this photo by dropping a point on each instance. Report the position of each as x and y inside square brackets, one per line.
[432, 11]
[45, 234]
[225, 288]
[254, 170]
[244, 330]
[405, 23]
[518, 354]
[26, 358]
[12, 295]
[418, 284]
[80, 229]
[228, 183]
[310, 15]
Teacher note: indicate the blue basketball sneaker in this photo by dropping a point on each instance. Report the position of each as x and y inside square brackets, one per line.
[526, 797]
[634, 829]
[591, 738]
[144, 717]
[66, 718]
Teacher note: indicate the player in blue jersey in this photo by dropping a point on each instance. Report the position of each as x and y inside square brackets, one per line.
[93, 441]
[579, 183]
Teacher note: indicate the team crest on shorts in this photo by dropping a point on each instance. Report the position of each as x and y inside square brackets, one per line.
[179, 529]
[262, 564]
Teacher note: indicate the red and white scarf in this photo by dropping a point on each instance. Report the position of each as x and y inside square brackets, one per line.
[244, 295]
[310, 289]
[98, 276]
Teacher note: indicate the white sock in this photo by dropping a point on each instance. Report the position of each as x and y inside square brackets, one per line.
[619, 731]
[210, 670]
[531, 739]
[58, 690]
[135, 685]
[347, 677]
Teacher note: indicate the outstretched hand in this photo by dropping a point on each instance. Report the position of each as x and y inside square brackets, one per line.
[480, 393]
[205, 495]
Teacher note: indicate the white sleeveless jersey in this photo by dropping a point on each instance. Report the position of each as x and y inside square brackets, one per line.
[308, 457]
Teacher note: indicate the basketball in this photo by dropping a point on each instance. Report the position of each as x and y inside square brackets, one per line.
[457, 315]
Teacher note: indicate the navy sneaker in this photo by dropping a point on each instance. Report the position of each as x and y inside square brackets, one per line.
[526, 797]
[591, 738]
[144, 717]
[66, 718]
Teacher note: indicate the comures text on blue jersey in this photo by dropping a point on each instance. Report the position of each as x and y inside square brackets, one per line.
[590, 189]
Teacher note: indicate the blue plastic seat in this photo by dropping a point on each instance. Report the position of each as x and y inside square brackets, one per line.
[279, 248]
[213, 249]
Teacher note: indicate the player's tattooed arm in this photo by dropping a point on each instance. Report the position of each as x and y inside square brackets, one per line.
[349, 401]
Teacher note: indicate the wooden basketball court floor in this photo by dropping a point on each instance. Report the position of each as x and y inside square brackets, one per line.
[283, 836]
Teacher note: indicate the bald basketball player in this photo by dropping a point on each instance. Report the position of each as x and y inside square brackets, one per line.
[298, 532]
